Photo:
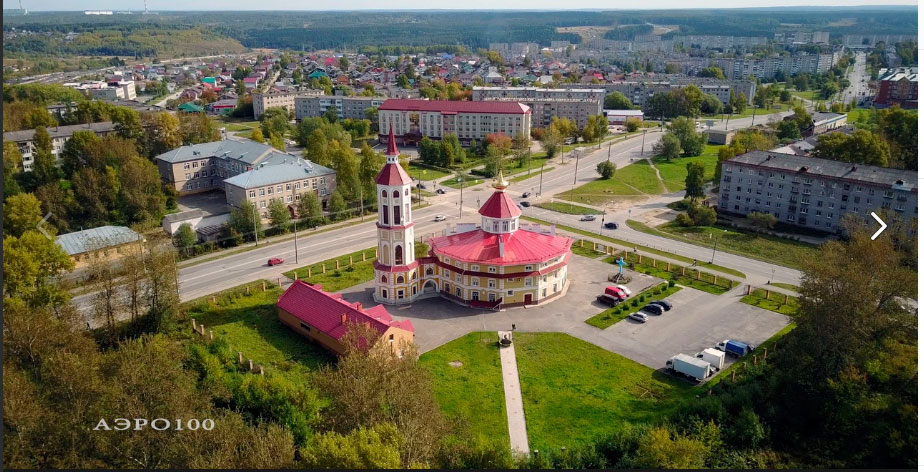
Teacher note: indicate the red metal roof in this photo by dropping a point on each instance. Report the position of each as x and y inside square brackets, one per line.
[520, 247]
[490, 106]
[500, 205]
[392, 145]
[324, 311]
[393, 175]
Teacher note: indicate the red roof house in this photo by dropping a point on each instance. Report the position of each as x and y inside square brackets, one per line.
[324, 317]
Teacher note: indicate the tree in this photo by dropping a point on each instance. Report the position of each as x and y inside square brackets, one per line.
[900, 129]
[21, 213]
[691, 141]
[162, 132]
[633, 124]
[57, 202]
[344, 63]
[257, 135]
[492, 161]
[659, 450]
[711, 105]
[860, 147]
[762, 220]
[788, 129]
[279, 216]
[564, 127]
[501, 142]
[693, 99]
[739, 102]
[551, 140]
[668, 146]
[617, 101]
[185, 238]
[43, 166]
[244, 220]
[275, 120]
[310, 210]
[377, 447]
[372, 114]
[702, 215]
[802, 118]
[713, 72]
[336, 206]
[277, 142]
[30, 263]
[39, 117]
[140, 196]
[196, 128]
[12, 167]
[695, 181]
[370, 163]
[606, 169]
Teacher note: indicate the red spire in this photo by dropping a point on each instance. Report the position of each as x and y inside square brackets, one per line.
[392, 146]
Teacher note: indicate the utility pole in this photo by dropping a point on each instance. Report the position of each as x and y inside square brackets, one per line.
[644, 132]
[602, 219]
[295, 222]
[577, 158]
[753, 115]
[608, 151]
[541, 173]
[362, 210]
[255, 235]
[459, 179]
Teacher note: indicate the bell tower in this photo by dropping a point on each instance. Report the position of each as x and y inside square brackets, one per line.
[396, 277]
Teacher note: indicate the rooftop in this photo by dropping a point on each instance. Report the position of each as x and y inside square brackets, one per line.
[60, 131]
[247, 151]
[895, 178]
[520, 247]
[450, 106]
[270, 173]
[96, 238]
[327, 311]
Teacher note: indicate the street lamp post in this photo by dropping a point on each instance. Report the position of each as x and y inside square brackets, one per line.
[541, 173]
[577, 158]
[295, 222]
[255, 235]
[459, 179]
[602, 219]
[644, 132]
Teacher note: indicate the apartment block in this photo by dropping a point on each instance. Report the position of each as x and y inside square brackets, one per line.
[814, 193]
[470, 120]
[286, 181]
[25, 139]
[575, 104]
[264, 101]
[347, 107]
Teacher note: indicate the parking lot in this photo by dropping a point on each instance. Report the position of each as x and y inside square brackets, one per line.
[697, 320]
[212, 202]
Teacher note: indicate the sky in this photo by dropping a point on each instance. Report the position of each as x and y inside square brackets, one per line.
[173, 5]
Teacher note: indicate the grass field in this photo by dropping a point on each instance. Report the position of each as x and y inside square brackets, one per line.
[574, 391]
[568, 209]
[512, 167]
[249, 323]
[238, 125]
[586, 251]
[333, 279]
[467, 181]
[473, 390]
[794, 288]
[674, 172]
[626, 244]
[690, 277]
[532, 174]
[426, 174]
[636, 179]
[735, 241]
[776, 302]
[611, 316]
[807, 94]
[778, 108]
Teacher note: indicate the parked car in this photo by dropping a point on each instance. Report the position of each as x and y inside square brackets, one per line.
[664, 304]
[274, 261]
[616, 293]
[421, 185]
[611, 225]
[625, 289]
[735, 348]
[608, 300]
[653, 309]
[526, 194]
[588, 218]
[439, 218]
[640, 317]
[440, 191]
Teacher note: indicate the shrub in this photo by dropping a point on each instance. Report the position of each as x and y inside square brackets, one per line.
[684, 220]
[670, 283]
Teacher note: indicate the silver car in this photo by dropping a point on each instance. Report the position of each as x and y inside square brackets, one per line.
[640, 317]
[588, 218]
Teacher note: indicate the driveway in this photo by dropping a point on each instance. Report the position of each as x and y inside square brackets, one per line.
[212, 202]
[698, 319]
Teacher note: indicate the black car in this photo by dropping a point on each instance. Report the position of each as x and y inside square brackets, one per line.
[653, 308]
[440, 191]
[420, 185]
[608, 300]
[526, 194]
[664, 304]
[611, 225]
[525, 204]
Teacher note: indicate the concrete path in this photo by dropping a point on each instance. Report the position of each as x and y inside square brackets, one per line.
[516, 419]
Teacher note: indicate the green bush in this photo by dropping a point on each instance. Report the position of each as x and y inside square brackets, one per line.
[670, 283]
[635, 302]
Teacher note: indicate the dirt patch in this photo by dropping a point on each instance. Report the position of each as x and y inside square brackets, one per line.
[455, 364]
[657, 217]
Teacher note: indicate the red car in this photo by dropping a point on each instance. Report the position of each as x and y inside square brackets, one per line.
[274, 261]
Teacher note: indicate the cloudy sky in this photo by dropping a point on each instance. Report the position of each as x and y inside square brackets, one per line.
[38, 5]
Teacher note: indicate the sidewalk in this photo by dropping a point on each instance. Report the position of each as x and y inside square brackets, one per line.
[516, 418]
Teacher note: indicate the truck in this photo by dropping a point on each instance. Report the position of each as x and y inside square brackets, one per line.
[713, 356]
[734, 348]
[690, 367]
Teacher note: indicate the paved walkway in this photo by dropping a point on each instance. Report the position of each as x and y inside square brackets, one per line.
[516, 419]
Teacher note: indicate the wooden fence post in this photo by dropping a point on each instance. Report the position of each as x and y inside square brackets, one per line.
[786, 300]
[201, 329]
[309, 272]
[639, 258]
[698, 274]
[248, 290]
[715, 279]
[194, 324]
[364, 256]
[351, 260]
[668, 266]
[261, 369]
[337, 262]
[211, 335]
[213, 298]
[749, 289]
[581, 242]
[296, 275]
[733, 376]
[279, 281]
[768, 295]
[264, 285]
[250, 365]
[683, 271]
[765, 353]
[240, 357]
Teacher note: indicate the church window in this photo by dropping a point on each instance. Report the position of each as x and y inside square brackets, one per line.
[384, 279]
[399, 255]
[395, 194]
[400, 279]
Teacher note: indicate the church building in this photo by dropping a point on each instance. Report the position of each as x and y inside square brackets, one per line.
[499, 263]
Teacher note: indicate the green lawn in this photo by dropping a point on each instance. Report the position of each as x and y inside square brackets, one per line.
[426, 174]
[611, 316]
[777, 108]
[473, 390]
[532, 174]
[807, 94]
[568, 208]
[794, 288]
[735, 241]
[626, 245]
[249, 323]
[636, 179]
[467, 181]
[776, 302]
[587, 251]
[238, 125]
[674, 172]
[574, 391]
[852, 115]
[511, 166]
[333, 279]
[689, 277]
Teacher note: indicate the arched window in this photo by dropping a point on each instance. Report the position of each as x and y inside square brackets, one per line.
[400, 279]
[386, 254]
[384, 293]
[413, 275]
[396, 194]
[399, 255]
[405, 191]
[384, 194]
[429, 270]
[384, 279]
[414, 290]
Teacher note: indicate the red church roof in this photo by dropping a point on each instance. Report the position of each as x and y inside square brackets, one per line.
[520, 247]
[500, 205]
[392, 174]
[325, 311]
[454, 106]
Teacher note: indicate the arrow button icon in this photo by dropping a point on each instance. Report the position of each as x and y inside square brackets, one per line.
[882, 224]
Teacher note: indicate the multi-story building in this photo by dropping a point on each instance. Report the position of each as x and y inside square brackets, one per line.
[814, 193]
[266, 100]
[898, 87]
[470, 121]
[347, 107]
[788, 65]
[639, 91]
[575, 104]
[285, 181]
[870, 40]
[25, 139]
[795, 38]
[498, 264]
[244, 169]
[720, 42]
